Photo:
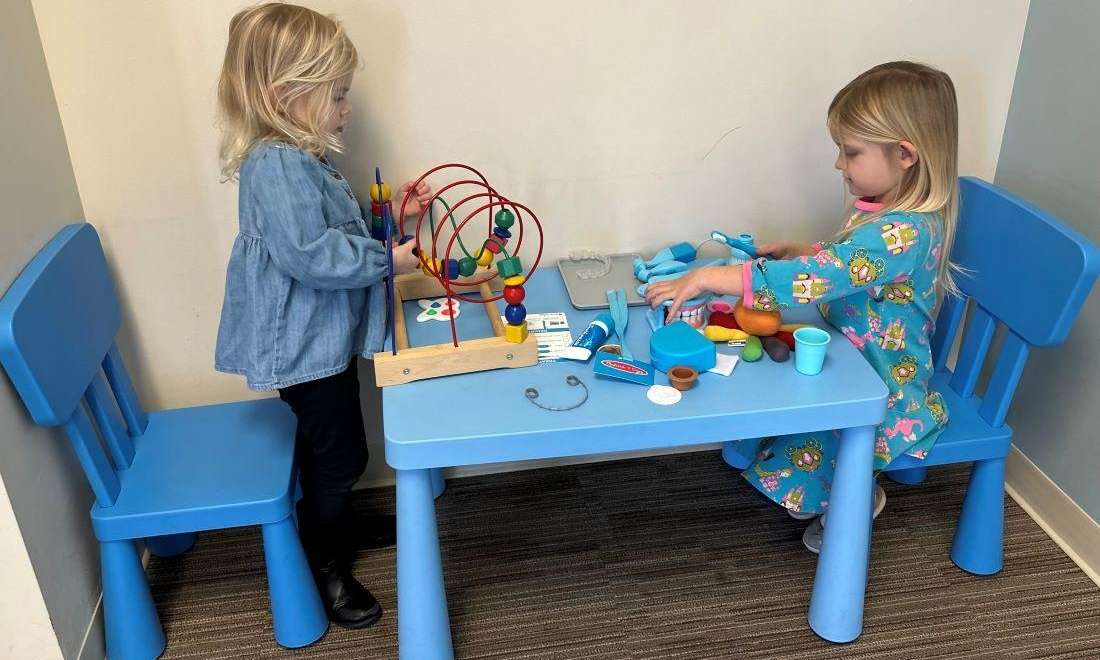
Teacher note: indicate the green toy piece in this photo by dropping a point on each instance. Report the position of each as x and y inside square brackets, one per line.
[504, 219]
[753, 350]
[467, 266]
[509, 267]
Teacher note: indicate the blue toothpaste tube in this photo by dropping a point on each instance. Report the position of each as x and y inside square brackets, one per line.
[592, 338]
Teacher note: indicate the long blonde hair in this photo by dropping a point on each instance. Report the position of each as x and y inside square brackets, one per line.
[906, 101]
[278, 53]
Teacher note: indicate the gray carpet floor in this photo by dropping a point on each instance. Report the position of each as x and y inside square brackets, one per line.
[668, 557]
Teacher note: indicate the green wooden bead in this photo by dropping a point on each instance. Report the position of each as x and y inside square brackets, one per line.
[509, 267]
[467, 266]
[505, 218]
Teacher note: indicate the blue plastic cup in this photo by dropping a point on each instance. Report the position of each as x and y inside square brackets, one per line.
[810, 346]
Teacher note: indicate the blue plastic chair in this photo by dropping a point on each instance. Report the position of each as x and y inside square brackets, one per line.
[1030, 274]
[165, 475]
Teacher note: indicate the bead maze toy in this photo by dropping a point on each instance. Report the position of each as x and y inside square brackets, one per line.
[453, 280]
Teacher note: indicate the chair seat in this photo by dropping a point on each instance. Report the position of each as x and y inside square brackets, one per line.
[207, 467]
[967, 437]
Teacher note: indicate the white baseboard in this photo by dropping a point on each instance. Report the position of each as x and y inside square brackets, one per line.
[91, 647]
[500, 468]
[1061, 518]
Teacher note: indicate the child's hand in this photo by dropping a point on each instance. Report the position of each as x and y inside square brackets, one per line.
[404, 261]
[785, 250]
[678, 291]
[417, 201]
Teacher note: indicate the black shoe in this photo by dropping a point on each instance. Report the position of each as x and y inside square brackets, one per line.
[348, 603]
[373, 531]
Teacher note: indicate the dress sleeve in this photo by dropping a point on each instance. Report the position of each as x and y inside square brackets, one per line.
[289, 198]
[885, 250]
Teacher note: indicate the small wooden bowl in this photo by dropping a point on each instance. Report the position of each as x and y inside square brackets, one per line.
[613, 349]
[682, 378]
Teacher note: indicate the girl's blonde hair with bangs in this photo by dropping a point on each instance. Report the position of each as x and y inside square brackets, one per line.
[906, 101]
[277, 54]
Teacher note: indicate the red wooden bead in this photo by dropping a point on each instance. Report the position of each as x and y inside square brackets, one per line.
[513, 295]
[492, 246]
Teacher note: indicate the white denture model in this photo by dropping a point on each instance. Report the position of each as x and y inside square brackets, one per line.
[674, 261]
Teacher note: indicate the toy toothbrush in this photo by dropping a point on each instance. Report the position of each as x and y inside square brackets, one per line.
[743, 242]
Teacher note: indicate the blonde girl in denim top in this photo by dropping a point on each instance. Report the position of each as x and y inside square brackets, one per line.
[304, 292]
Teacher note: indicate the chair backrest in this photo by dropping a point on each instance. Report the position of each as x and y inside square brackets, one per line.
[1025, 270]
[58, 322]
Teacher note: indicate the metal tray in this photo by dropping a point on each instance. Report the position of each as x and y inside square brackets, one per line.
[592, 294]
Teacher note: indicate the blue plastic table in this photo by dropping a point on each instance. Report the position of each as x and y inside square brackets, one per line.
[485, 418]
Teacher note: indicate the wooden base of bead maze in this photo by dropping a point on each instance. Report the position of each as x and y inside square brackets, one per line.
[422, 362]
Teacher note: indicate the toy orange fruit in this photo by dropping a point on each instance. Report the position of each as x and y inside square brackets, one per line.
[757, 322]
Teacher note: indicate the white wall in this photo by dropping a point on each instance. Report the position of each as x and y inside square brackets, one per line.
[48, 558]
[612, 120]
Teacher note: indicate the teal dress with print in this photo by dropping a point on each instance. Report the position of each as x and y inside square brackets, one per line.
[878, 287]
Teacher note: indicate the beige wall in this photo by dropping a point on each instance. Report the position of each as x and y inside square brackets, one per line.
[44, 500]
[607, 118]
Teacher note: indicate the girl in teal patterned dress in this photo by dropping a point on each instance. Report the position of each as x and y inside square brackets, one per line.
[896, 130]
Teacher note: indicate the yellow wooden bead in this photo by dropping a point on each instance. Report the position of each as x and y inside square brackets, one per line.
[515, 280]
[516, 334]
[385, 197]
[430, 266]
[485, 258]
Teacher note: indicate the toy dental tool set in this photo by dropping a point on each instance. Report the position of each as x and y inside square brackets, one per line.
[683, 348]
[674, 261]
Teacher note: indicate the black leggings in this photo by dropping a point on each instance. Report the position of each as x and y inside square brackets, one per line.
[331, 450]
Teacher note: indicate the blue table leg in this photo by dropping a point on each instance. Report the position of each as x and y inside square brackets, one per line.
[423, 630]
[836, 607]
[439, 484]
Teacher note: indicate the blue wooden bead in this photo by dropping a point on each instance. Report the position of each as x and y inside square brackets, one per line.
[377, 228]
[515, 314]
[502, 233]
[452, 269]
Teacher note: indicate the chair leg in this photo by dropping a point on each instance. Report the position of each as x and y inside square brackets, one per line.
[439, 484]
[296, 611]
[978, 547]
[130, 617]
[170, 545]
[423, 630]
[910, 477]
[836, 605]
[738, 453]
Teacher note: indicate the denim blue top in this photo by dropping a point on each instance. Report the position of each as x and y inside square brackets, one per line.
[303, 289]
